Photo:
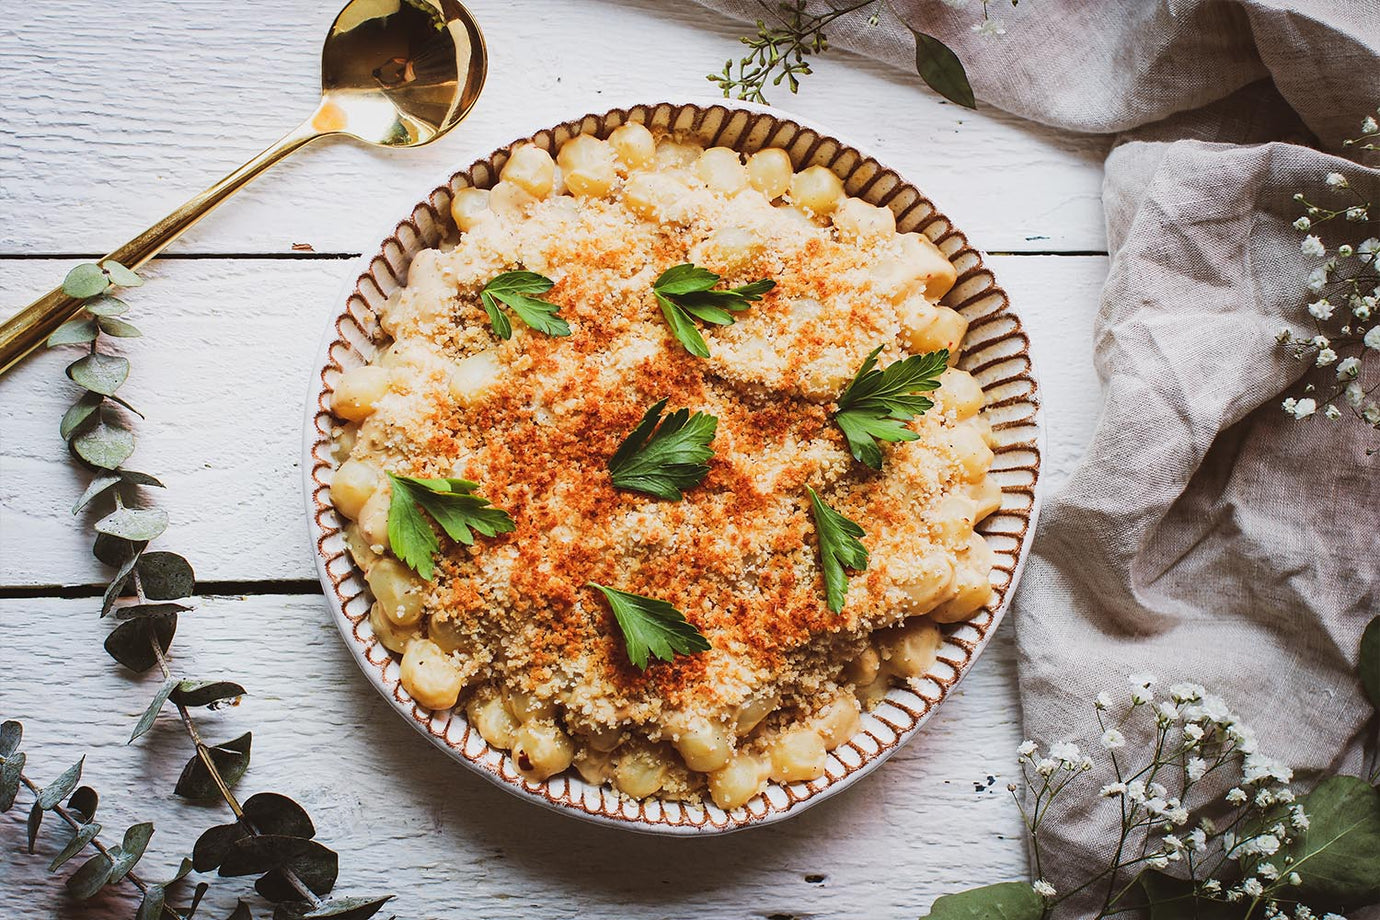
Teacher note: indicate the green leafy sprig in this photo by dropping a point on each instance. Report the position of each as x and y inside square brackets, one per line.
[450, 503]
[840, 546]
[652, 627]
[663, 459]
[145, 597]
[515, 290]
[876, 405]
[685, 293]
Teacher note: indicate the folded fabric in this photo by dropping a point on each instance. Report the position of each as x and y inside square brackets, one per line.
[1205, 536]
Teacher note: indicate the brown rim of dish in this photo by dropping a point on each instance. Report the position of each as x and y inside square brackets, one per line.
[996, 353]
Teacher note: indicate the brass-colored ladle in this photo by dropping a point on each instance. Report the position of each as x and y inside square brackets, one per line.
[395, 73]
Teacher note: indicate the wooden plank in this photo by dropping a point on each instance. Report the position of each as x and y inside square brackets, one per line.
[222, 376]
[408, 820]
[113, 114]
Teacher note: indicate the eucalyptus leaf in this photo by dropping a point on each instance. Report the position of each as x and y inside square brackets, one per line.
[60, 788]
[273, 886]
[291, 910]
[166, 576]
[197, 894]
[120, 275]
[1338, 855]
[151, 907]
[90, 878]
[118, 328]
[942, 70]
[80, 411]
[1169, 898]
[132, 847]
[117, 398]
[144, 611]
[97, 486]
[131, 643]
[184, 869]
[1370, 662]
[10, 772]
[84, 835]
[241, 912]
[208, 693]
[155, 706]
[231, 759]
[86, 280]
[99, 373]
[83, 803]
[116, 588]
[11, 734]
[103, 444]
[211, 847]
[114, 551]
[1002, 901]
[107, 306]
[139, 479]
[275, 814]
[134, 523]
[73, 332]
[349, 908]
[35, 821]
[315, 865]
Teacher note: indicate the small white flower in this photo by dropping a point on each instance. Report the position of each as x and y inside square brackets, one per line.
[990, 27]
[1185, 692]
[1294, 875]
[1212, 886]
[1312, 246]
[1173, 843]
[1304, 408]
[1368, 247]
[1157, 862]
[1332, 413]
[1196, 768]
[1298, 818]
[1320, 341]
[1354, 395]
[1302, 224]
[1167, 712]
[1112, 789]
[1371, 414]
[1044, 889]
[1113, 739]
[1369, 126]
[1263, 799]
[1267, 871]
[1193, 732]
[1326, 356]
[1336, 180]
[1284, 794]
[1289, 404]
[1362, 307]
[1027, 748]
[1141, 695]
[1321, 308]
[1372, 337]
[1065, 752]
[1293, 878]
[1135, 791]
[1253, 888]
[1356, 213]
[1197, 840]
[1317, 279]
[1103, 701]
[1046, 767]
[1348, 367]
[956, 4]
[1158, 790]
[1236, 796]
[1177, 816]
[1304, 912]
[1264, 845]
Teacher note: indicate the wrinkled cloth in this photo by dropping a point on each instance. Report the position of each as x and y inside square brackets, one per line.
[1205, 536]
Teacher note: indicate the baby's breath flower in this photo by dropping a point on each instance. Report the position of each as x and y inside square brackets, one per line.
[1178, 816]
[1027, 748]
[1317, 279]
[1369, 126]
[1185, 692]
[1372, 337]
[1196, 768]
[1345, 251]
[1158, 862]
[1197, 840]
[1252, 887]
[1321, 308]
[1166, 712]
[1320, 341]
[1355, 395]
[1312, 246]
[1212, 886]
[1173, 843]
[1335, 180]
[1046, 767]
[1302, 408]
[1348, 367]
[1103, 701]
[1258, 768]
[1112, 789]
[990, 27]
[1236, 796]
[1368, 247]
[1298, 818]
[1302, 224]
[1044, 889]
[1193, 732]
[1113, 739]
[1264, 799]
[1371, 414]
[1135, 791]
[1284, 794]
[1065, 752]
[1267, 871]
[1332, 413]
[1356, 214]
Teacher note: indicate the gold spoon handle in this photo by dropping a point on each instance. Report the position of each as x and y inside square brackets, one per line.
[28, 328]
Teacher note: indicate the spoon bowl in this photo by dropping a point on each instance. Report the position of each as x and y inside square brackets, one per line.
[394, 73]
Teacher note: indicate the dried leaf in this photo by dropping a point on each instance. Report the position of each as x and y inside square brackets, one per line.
[118, 328]
[86, 280]
[83, 803]
[942, 70]
[90, 878]
[211, 847]
[80, 411]
[132, 847]
[208, 693]
[134, 524]
[349, 908]
[60, 788]
[120, 275]
[73, 332]
[35, 821]
[144, 611]
[131, 643]
[107, 306]
[9, 780]
[271, 813]
[11, 734]
[99, 373]
[98, 485]
[104, 444]
[166, 576]
[80, 839]
[151, 908]
[231, 759]
[155, 706]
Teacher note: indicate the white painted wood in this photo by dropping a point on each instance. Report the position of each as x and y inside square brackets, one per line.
[408, 820]
[114, 113]
[222, 375]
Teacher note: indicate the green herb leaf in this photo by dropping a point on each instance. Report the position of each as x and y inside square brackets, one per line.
[876, 404]
[107, 306]
[73, 332]
[83, 803]
[214, 844]
[231, 760]
[118, 328]
[1338, 855]
[452, 504]
[348, 908]
[515, 289]
[669, 460]
[84, 835]
[941, 69]
[132, 847]
[685, 293]
[103, 445]
[151, 907]
[131, 643]
[206, 692]
[839, 546]
[86, 280]
[279, 815]
[10, 770]
[1369, 665]
[652, 627]
[60, 788]
[155, 706]
[134, 524]
[11, 734]
[166, 576]
[99, 373]
[81, 410]
[1002, 901]
[124, 277]
[91, 877]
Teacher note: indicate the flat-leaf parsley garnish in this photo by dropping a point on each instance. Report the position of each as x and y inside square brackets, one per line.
[877, 404]
[685, 294]
[839, 547]
[515, 289]
[652, 627]
[669, 460]
[450, 503]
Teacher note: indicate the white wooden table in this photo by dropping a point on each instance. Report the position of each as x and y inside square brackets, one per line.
[110, 115]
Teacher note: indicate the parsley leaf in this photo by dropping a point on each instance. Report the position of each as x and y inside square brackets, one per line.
[839, 546]
[450, 503]
[652, 627]
[685, 294]
[514, 289]
[877, 403]
[672, 459]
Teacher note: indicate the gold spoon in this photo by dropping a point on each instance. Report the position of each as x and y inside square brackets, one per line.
[395, 73]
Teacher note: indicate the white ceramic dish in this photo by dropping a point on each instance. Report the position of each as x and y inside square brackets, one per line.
[995, 351]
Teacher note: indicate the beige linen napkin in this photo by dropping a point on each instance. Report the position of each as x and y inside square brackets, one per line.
[1205, 536]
